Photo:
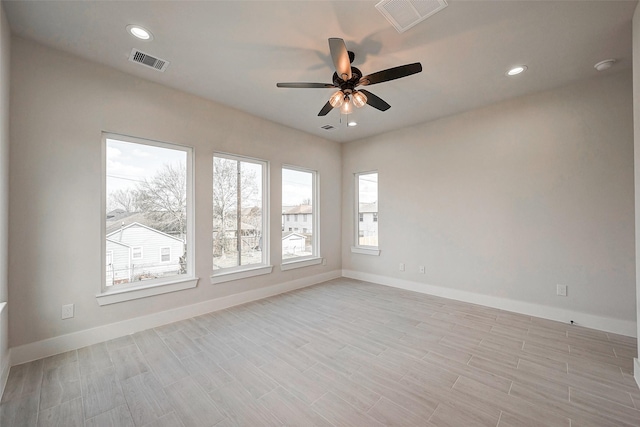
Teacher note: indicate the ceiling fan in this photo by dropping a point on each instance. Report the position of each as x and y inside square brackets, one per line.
[347, 78]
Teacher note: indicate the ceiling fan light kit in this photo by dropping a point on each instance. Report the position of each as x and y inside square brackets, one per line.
[347, 78]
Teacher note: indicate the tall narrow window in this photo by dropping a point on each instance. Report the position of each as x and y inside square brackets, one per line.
[147, 212]
[299, 200]
[367, 209]
[239, 213]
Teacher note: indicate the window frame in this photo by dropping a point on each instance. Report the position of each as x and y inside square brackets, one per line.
[315, 258]
[133, 252]
[165, 247]
[146, 288]
[245, 271]
[357, 247]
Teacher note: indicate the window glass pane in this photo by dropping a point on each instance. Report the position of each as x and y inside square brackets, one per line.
[368, 209]
[237, 188]
[297, 214]
[146, 190]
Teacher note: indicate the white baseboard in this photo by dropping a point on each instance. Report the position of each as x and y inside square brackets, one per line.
[5, 358]
[636, 370]
[49, 347]
[607, 324]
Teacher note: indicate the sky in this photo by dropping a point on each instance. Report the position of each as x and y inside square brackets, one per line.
[368, 187]
[129, 163]
[297, 186]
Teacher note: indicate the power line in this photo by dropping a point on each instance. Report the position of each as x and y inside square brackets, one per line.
[126, 179]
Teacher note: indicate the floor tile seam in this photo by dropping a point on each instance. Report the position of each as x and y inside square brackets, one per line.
[598, 414]
[588, 352]
[564, 409]
[632, 406]
[374, 404]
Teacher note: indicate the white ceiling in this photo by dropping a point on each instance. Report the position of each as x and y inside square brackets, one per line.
[234, 52]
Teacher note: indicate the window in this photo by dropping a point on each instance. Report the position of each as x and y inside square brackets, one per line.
[240, 215]
[299, 197]
[367, 208]
[147, 199]
[165, 254]
[136, 252]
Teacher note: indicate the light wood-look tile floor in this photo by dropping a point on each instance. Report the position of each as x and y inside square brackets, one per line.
[342, 353]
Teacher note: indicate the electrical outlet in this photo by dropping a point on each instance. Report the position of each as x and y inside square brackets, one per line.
[402, 266]
[67, 311]
[324, 261]
[561, 290]
[422, 270]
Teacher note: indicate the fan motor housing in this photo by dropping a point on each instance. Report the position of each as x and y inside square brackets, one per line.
[348, 85]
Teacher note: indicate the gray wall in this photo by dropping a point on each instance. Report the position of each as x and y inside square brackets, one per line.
[5, 46]
[509, 200]
[59, 106]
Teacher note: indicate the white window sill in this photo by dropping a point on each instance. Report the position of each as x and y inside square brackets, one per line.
[290, 265]
[113, 296]
[227, 276]
[365, 251]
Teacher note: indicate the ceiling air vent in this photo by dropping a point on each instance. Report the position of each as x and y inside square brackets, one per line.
[148, 60]
[327, 127]
[404, 14]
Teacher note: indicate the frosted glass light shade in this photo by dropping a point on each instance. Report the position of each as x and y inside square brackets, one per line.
[346, 108]
[337, 99]
[359, 99]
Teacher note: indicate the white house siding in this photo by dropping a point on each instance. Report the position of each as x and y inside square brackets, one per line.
[119, 270]
[151, 241]
[368, 229]
[304, 223]
[293, 244]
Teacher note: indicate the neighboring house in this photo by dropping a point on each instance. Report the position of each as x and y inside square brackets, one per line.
[298, 219]
[368, 223]
[293, 244]
[118, 263]
[151, 253]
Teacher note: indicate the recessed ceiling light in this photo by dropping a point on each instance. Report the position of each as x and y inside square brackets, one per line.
[604, 65]
[517, 70]
[352, 124]
[139, 32]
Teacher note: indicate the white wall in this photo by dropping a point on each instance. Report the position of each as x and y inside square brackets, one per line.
[5, 46]
[636, 127]
[59, 106]
[502, 203]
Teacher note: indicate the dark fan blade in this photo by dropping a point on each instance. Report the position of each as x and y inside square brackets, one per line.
[340, 58]
[391, 74]
[325, 110]
[305, 85]
[375, 101]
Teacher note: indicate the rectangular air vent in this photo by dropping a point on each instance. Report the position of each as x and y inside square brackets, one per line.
[404, 14]
[327, 127]
[148, 60]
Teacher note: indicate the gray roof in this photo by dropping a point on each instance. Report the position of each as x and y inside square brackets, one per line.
[368, 207]
[300, 209]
